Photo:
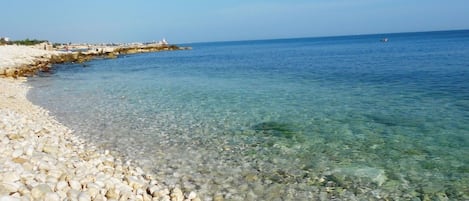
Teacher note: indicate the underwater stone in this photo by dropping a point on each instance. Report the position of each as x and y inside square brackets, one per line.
[274, 128]
[364, 175]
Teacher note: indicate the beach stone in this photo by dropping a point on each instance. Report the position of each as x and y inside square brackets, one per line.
[165, 198]
[9, 198]
[138, 198]
[40, 177]
[126, 196]
[134, 182]
[112, 193]
[72, 194]
[10, 177]
[14, 136]
[74, 184]
[100, 183]
[29, 151]
[9, 187]
[176, 195]
[109, 184]
[84, 196]
[162, 193]
[61, 185]
[52, 197]
[5, 140]
[3, 190]
[192, 195]
[147, 197]
[92, 189]
[125, 188]
[139, 191]
[19, 160]
[152, 190]
[51, 179]
[50, 149]
[17, 153]
[39, 191]
[28, 166]
[218, 197]
[56, 173]
[11, 72]
[43, 165]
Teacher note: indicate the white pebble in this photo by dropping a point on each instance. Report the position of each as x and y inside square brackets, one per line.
[39, 191]
[176, 195]
[61, 185]
[10, 177]
[192, 195]
[29, 151]
[9, 198]
[52, 197]
[153, 190]
[73, 194]
[74, 184]
[17, 153]
[10, 187]
[84, 196]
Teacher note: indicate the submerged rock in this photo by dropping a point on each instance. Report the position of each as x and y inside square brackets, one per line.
[351, 177]
[275, 128]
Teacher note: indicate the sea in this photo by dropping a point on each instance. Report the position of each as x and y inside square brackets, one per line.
[325, 118]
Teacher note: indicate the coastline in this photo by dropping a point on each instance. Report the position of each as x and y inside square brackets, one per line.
[43, 160]
[22, 61]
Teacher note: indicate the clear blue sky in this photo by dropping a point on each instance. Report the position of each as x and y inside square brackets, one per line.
[182, 21]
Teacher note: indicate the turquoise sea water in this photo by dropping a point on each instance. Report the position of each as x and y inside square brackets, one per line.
[337, 118]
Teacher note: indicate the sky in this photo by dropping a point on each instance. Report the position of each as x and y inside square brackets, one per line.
[104, 21]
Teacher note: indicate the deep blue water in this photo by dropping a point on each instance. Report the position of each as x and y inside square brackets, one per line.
[336, 117]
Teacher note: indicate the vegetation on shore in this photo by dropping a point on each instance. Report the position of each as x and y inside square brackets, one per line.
[26, 41]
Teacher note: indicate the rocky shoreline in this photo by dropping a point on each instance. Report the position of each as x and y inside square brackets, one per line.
[23, 61]
[42, 160]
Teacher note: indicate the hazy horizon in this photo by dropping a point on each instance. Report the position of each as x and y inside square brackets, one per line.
[204, 21]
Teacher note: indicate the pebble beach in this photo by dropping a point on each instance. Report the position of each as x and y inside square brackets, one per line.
[41, 159]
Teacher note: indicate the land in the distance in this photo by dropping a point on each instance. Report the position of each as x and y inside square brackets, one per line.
[42, 54]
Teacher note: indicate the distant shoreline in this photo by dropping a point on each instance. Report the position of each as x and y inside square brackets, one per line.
[41, 57]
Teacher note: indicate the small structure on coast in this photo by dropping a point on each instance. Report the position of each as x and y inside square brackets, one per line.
[44, 46]
[163, 42]
[6, 39]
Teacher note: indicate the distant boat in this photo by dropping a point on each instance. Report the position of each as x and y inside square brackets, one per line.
[384, 40]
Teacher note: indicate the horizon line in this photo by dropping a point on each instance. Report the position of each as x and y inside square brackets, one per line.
[325, 36]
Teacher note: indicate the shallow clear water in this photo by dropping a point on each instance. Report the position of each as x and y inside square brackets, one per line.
[297, 119]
